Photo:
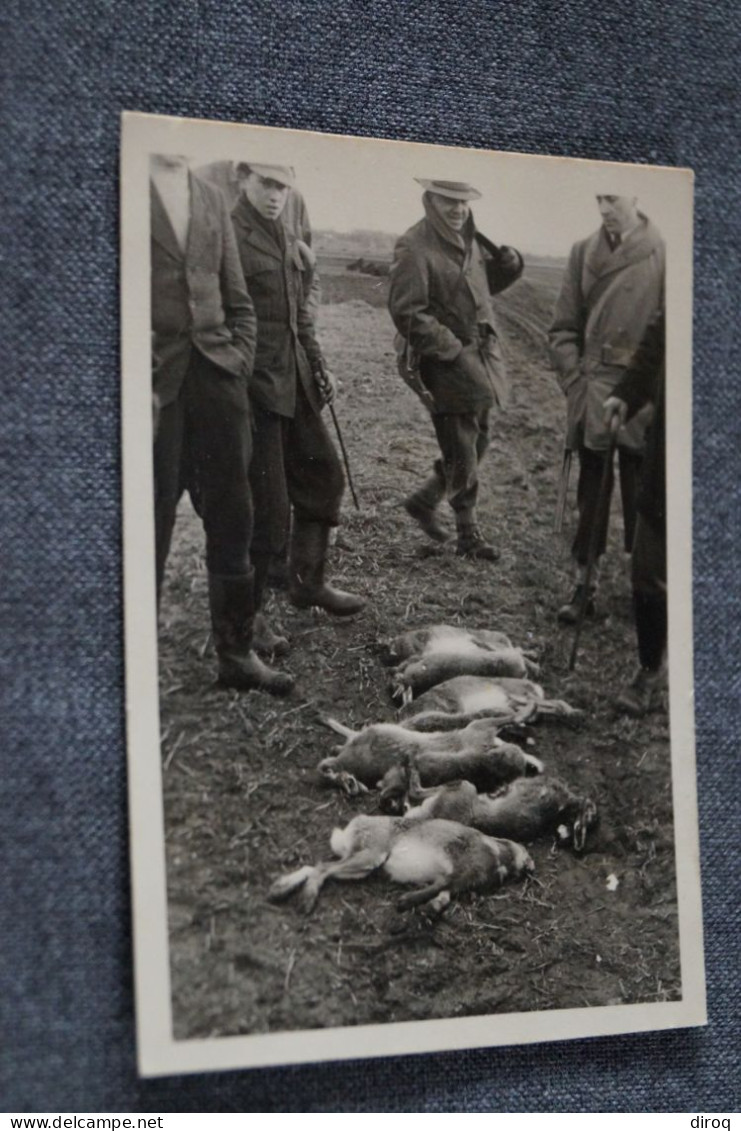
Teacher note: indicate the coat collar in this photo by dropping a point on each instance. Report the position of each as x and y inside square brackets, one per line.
[452, 241]
[253, 233]
[642, 242]
[162, 230]
[200, 228]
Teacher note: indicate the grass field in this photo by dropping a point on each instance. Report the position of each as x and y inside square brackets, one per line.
[242, 800]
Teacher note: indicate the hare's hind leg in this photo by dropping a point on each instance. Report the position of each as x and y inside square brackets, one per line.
[435, 894]
[354, 867]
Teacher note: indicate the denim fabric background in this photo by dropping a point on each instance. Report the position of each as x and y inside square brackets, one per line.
[632, 81]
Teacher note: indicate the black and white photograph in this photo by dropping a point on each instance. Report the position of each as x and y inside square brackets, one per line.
[407, 550]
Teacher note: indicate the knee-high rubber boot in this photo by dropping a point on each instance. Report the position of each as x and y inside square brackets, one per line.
[232, 604]
[306, 584]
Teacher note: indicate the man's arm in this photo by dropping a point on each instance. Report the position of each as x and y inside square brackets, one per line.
[504, 265]
[239, 310]
[409, 303]
[566, 334]
[639, 384]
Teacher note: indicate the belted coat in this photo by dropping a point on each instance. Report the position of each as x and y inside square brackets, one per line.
[440, 302]
[607, 300]
[199, 297]
[278, 278]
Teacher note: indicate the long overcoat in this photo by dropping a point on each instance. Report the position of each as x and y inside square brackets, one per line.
[607, 300]
[199, 297]
[278, 280]
[439, 299]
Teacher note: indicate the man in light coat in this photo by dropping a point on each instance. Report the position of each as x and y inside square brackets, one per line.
[612, 288]
[442, 280]
[203, 347]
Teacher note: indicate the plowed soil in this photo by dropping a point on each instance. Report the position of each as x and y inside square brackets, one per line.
[242, 800]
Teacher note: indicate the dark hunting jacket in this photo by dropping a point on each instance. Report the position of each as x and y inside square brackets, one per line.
[199, 296]
[440, 302]
[276, 274]
[644, 383]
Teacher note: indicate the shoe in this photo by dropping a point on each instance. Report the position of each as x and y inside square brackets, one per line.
[472, 544]
[569, 613]
[426, 518]
[643, 694]
[306, 567]
[248, 673]
[232, 603]
[265, 641]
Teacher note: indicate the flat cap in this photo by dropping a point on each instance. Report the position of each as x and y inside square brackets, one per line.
[283, 174]
[456, 190]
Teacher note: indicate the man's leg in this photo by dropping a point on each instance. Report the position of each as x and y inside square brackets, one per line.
[315, 486]
[219, 434]
[422, 504]
[593, 512]
[630, 464]
[463, 439]
[649, 603]
[271, 515]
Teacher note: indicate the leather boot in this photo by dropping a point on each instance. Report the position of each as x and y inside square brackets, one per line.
[232, 604]
[569, 613]
[471, 542]
[644, 694]
[422, 507]
[306, 584]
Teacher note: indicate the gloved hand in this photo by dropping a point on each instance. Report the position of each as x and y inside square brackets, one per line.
[509, 259]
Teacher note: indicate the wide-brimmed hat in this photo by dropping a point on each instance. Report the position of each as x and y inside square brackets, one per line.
[283, 174]
[455, 190]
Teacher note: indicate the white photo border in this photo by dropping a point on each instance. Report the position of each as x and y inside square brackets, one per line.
[158, 1052]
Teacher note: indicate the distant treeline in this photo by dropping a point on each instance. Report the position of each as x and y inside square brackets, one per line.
[361, 243]
[368, 244]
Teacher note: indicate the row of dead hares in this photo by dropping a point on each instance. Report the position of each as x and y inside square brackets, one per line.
[459, 798]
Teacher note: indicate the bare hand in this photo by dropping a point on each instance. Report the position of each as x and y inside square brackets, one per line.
[615, 409]
[326, 383]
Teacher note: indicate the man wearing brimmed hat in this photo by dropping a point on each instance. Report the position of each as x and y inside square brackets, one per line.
[612, 288]
[442, 280]
[203, 347]
[294, 461]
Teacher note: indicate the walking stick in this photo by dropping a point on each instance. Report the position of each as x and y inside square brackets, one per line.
[326, 389]
[593, 538]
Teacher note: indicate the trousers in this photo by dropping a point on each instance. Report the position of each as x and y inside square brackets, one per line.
[648, 569]
[294, 464]
[591, 513]
[204, 445]
[463, 439]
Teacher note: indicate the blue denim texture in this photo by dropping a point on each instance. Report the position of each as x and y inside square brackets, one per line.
[629, 81]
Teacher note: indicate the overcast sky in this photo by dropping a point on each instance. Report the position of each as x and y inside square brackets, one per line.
[538, 205]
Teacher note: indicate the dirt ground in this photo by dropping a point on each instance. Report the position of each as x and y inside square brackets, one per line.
[242, 800]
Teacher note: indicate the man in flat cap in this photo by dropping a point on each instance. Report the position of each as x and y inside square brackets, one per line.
[612, 288]
[203, 347]
[294, 461]
[442, 281]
